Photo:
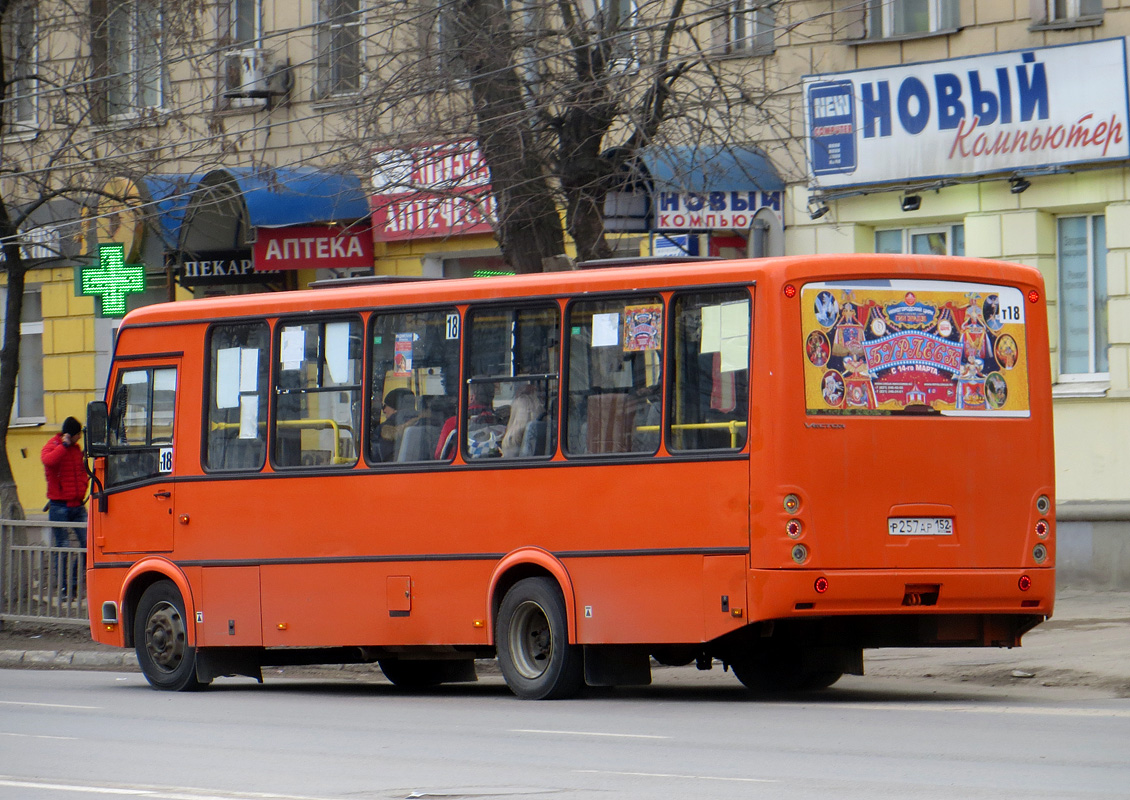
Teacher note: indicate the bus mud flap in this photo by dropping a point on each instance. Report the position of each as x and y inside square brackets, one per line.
[616, 665]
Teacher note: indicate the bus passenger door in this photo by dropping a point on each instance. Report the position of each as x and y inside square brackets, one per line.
[140, 514]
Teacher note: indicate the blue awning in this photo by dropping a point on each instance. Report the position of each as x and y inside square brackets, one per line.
[167, 199]
[277, 198]
[709, 168]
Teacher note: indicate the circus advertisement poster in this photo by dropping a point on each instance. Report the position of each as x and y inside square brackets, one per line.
[914, 347]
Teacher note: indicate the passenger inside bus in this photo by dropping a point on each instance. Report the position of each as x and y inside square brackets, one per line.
[480, 412]
[399, 411]
[527, 415]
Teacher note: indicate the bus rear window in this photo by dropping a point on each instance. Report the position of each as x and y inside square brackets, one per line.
[893, 347]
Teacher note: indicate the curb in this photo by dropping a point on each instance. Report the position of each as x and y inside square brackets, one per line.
[64, 658]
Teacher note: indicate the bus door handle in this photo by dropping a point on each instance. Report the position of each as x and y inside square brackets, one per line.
[162, 495]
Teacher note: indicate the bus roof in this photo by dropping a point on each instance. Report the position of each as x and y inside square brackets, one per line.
[620, 278]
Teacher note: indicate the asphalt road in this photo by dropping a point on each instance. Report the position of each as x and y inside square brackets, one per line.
[84, 734]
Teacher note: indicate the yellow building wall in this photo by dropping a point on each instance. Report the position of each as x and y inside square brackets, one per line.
[68, 378]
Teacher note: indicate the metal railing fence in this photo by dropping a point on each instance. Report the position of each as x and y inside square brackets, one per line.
[40, 582]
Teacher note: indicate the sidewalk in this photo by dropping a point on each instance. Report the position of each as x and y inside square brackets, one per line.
[1086, 644]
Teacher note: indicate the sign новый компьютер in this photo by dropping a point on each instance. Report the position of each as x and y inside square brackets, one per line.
[1023, 109]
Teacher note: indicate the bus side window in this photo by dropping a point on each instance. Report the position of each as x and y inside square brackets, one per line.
[238, 361]
[615, 375]
[415, 368]
[512, 361]
[709, 404]
[141, 420]
[317, 393]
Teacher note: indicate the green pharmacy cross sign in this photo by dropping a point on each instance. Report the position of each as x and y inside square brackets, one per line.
[112, 279]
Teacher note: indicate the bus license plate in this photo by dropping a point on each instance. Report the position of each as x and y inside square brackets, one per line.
[920, 526]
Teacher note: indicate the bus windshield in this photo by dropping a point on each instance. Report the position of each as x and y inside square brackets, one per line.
[885, 347]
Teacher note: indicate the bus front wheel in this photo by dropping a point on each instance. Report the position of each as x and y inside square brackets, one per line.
[532, 639]
[160, 636]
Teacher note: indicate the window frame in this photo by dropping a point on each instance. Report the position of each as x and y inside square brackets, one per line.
[34, 374]
[761, 18]
[1045, 17]
[21, 52]
[277, 391]
[468, 377]
[329, 83]
[138, 46]
[907, 232]
[1093, 343]
[943, 17]
[370, 410]
[209, 389]
[149, 446]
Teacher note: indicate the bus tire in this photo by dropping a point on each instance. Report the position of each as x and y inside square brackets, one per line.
[422, 674]
[781, 675]
[532, 640]
[160, 636]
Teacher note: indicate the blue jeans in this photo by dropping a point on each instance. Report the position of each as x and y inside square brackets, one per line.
[59, 511]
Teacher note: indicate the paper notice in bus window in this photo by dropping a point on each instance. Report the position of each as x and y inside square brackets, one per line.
[402, 355]
[734, 319]
[337, 351]
[292, 346]
[605, 330]
[711, 341]
[227, 377]
[955, 348]
[249, 370]
[248, 417]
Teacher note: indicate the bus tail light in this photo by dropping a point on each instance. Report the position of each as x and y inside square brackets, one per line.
[821, 585]
[1043, 504]
[1025, 583]
[1040, 553]
[793, 528]
[1042, 528]
[790, 291]
[800, 553]
[792, 503]
[1033, 296]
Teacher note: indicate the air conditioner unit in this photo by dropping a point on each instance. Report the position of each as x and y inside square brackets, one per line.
[245, 74]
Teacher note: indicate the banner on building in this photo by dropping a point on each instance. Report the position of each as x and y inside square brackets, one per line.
[313, 247]
[430, 191]
[1024, 109]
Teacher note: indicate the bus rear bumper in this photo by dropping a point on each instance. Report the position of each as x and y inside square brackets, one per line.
[784, 594]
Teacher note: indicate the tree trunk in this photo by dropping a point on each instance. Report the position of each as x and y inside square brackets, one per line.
[10, 506]
[529, 226]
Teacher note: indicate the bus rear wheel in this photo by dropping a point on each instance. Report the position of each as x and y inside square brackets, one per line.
[160, 637]
[532, 639]
[782, 672]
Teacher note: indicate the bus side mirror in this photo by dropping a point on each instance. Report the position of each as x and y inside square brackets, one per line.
[97, 430]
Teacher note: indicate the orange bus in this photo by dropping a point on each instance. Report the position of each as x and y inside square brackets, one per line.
[773, 464]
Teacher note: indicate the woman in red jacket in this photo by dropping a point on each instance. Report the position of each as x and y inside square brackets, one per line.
[67, 480]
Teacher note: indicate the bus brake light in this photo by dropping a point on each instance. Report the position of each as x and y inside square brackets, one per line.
[1025, 583]
[790, 291]
[1033, 296]
[821, 585]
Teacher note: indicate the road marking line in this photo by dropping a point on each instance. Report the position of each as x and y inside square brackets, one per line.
[670, 775]
[158, 792]
[589, 733]
[39, 736]
[47, 705]
[987, 709]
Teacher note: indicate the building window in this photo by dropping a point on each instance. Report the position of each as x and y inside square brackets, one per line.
[910, 17]
[942, 240]
[244, 70]
[1082, 297]
[339, 47]
[28, 407]
[1067, 12]
[619, 21]
[130, 56]
[20, 53]
[748, 28]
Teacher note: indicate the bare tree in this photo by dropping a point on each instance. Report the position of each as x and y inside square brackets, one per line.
[61, 86]
[563, 96]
